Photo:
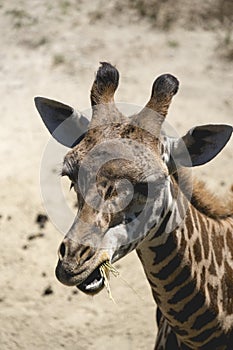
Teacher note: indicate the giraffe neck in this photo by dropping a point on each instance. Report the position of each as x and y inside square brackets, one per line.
[190, 272]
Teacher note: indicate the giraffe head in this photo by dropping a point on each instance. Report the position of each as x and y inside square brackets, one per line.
[120, 169]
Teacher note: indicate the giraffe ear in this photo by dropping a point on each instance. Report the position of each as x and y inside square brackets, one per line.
[199, 145]
[65, 124]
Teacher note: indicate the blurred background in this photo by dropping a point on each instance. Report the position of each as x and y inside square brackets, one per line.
[53, 49]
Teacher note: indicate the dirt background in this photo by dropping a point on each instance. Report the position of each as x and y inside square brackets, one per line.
[52, 48]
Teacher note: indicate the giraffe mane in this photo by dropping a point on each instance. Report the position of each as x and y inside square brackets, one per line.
[203, 199]
[210, 204]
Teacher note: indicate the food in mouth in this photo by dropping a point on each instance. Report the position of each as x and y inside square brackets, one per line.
[99, 279]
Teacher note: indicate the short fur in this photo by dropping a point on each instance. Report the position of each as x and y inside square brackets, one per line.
[202, 198]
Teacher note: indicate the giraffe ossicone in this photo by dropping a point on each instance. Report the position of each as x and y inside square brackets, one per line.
[134, 191]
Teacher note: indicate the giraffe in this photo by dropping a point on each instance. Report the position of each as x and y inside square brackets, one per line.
[134, 191]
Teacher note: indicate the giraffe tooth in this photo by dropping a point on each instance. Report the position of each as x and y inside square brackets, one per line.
[95, 284]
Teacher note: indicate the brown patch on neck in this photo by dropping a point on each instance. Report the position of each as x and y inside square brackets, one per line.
[202, 199]
[210, 204]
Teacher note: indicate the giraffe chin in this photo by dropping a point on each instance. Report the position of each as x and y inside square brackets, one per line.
[93, 284]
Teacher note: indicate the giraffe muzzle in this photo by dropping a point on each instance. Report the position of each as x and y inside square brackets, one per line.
[79, 265]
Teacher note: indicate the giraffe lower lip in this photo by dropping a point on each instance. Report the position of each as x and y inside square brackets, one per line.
[93, 284]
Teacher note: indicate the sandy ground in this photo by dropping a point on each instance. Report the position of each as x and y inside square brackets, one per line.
[53, 49]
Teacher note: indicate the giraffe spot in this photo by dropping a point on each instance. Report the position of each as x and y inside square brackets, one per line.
[168, 270]
[203, 336]
[189, 308]
[183, 293]
[212, 267]
[183, 243]
[216, 343]
[189, 224]
[163, 225]
[218, 244]
[179, 279]
[197, 251]
[229, 242]
[203, 277]
[203, 320]
[164, 250]
[227, 288]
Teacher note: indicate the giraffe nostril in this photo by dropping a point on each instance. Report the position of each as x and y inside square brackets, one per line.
[62, 251]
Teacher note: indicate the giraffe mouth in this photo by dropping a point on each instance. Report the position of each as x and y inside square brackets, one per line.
[93, 284]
